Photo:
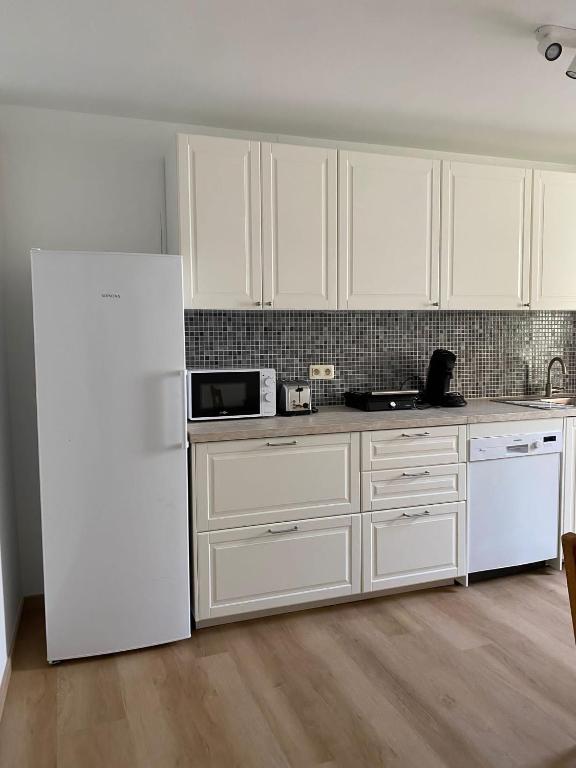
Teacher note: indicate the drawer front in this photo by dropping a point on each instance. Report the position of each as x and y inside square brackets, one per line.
[251, 569]
[395, 448]
[248, 482]
[413, 546]
[394, 488]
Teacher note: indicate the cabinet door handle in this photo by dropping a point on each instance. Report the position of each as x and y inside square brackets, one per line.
[415, 474]
[283, 530]
[416, 514]
[279, 445]
[416, 434]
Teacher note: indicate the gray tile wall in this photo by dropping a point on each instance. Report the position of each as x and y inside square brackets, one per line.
[499, 353]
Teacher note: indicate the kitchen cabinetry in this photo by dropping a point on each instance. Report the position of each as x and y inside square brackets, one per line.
[246, 482]
[394, 448]
[278, 226]
[250, 569]
[299, 231]
[288, 520]
[235, 260]
[219, 211]
[389, 220]
[568, 522]
[485, 258]
[395, 488]
[553, 284]
[416, 544]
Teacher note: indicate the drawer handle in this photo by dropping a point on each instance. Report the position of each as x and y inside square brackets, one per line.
[415, 474]
[279, 445]
[283, 530]
[416, 514]
[416, 434]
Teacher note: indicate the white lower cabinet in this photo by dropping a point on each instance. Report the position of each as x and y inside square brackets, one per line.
[408, 487]
[250, 482]
[270, 566]
[413, 545]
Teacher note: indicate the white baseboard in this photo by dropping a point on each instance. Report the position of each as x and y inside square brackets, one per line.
[4, 684]
[5, 680]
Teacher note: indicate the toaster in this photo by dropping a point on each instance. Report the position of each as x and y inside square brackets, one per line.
[293, 397]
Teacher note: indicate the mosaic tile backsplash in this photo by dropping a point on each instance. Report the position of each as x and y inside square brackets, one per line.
[499, 353]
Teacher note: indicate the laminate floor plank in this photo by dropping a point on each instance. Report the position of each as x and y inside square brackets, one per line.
[483, 677]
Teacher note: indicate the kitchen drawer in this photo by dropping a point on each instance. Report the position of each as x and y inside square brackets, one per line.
[406, 487]
[248, 482]
[268, 566]
[414, 545]
[393, 448]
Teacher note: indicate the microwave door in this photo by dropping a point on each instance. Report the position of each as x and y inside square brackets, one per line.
[225, 395]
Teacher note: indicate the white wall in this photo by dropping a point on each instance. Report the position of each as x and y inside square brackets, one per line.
[67, 181]
[9, 566]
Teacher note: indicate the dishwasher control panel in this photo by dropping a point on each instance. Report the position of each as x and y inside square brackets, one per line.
[509, 446]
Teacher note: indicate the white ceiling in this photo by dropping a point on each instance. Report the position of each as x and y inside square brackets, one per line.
[451, 74]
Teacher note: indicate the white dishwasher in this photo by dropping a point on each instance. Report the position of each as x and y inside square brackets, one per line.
[514, 500]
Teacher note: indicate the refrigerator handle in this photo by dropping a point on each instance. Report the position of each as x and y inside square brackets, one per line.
[184, 410]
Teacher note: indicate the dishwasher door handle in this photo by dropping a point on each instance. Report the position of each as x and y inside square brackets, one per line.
[524, 448]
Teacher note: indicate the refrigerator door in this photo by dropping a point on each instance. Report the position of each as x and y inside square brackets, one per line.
[109, 344]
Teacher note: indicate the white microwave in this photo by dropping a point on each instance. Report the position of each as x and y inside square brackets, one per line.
[230, 393]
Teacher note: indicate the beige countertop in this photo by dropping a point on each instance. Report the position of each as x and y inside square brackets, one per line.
[342, 419]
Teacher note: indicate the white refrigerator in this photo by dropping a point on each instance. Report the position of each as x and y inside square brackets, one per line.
[110, 390]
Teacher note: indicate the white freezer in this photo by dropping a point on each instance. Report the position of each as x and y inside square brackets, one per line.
[109, 347]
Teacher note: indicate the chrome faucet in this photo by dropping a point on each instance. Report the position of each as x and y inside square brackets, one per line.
[550, 390]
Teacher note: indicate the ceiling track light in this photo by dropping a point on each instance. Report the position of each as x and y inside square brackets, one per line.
[571, 71]
[551, 42]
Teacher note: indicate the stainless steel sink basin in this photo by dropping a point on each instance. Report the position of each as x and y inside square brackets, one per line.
[564, 400]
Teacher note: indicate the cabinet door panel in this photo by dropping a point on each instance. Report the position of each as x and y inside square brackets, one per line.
[395, 488]
[393, 448]
[219, 211]
[553, 284]
[251, 569]
[389, 232]
[299, 208]
[417, 545]
[246, 482]
[485, 236]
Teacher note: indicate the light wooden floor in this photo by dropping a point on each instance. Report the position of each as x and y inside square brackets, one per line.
[453, 677]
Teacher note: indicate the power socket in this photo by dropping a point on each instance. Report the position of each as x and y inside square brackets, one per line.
[322, 371]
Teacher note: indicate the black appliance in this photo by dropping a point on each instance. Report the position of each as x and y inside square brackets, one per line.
[440, 372]
[389, 400]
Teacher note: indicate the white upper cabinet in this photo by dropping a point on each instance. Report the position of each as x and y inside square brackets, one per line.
[219, 198]
[553, 284]
[283, 226]
[485, 236]
[389, 219]
[299, 230]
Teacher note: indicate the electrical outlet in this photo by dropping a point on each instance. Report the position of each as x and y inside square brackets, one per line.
[321, 371]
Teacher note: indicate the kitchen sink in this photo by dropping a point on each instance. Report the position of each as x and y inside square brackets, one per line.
[536, 401]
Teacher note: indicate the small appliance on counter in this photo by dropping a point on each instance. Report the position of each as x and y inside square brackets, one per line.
[436, 390]
[294, 397]
[230, 393]
[386, 400]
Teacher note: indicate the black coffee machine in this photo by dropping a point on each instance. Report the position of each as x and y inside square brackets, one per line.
[436, 390]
